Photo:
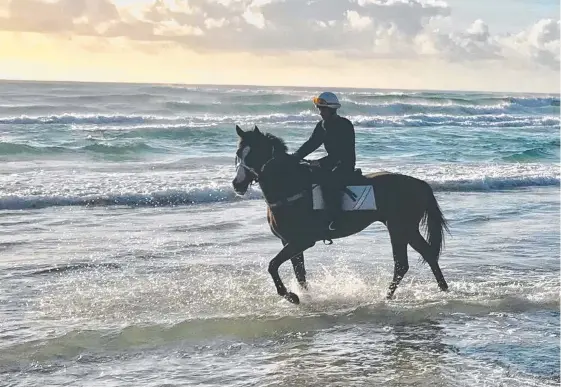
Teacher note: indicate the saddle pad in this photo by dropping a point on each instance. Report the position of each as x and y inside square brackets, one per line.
[364, 198]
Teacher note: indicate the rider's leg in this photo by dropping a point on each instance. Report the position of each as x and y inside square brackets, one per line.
[332, 196]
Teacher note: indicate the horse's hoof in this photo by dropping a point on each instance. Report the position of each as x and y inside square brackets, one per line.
[389, 296]
[303, 285]
[292, 298]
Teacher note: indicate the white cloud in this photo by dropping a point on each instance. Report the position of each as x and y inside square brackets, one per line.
[211, 23]
[366, 28]
[539, 43]
[358, 22]
[409, 16]
[476, 43]
[172, 29]
[254, 17]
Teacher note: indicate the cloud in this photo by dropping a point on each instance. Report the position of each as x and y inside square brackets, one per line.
[358, 22]
[539, 43]
[57, 16]
[252, 25]
[254, 17]
[399, 29]
[476, 43]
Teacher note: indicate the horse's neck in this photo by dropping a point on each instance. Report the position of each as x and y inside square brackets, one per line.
[280, 178]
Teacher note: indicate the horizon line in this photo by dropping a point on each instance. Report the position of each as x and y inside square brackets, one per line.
[7, 80]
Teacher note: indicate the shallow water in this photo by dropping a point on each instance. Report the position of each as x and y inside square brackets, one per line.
[127, 265]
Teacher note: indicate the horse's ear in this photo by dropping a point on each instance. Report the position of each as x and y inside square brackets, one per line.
[239, 131]
[256, 130]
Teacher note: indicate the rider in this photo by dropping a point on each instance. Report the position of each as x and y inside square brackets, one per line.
[337, 134]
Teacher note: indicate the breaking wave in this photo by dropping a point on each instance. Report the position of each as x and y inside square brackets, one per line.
[224, 193]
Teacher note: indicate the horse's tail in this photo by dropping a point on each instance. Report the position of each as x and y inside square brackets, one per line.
[435, 224]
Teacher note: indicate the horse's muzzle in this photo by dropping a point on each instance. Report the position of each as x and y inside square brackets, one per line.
[240, 189]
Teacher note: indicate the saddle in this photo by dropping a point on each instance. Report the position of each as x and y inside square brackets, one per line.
[357, 195]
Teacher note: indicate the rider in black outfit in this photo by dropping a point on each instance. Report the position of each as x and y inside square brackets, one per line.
[337, 134]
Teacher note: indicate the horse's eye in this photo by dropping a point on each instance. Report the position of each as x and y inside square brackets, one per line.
[250, 158]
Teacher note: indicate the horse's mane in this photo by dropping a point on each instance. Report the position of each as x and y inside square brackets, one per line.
[277, 143]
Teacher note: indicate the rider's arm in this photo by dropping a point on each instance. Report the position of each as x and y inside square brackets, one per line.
[312, 144]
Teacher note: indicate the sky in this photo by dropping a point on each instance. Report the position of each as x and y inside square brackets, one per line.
[491, 45]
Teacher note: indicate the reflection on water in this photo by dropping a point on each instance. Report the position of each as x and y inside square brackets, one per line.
[363, 354]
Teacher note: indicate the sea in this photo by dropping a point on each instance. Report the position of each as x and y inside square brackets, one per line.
[126, 258]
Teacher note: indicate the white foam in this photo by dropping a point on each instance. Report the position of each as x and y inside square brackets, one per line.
[156, 190]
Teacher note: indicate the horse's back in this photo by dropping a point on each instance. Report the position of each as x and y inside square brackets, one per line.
[398, 194]
[377, 174]
[386, 179]
[390, 177]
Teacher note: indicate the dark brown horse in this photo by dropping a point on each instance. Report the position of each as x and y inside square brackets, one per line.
[403, 204]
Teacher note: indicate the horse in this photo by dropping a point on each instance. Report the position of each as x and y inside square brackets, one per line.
[403, 204]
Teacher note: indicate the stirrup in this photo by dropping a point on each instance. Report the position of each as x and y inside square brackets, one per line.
[329, 229]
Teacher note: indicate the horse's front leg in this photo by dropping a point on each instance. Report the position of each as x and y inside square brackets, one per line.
[289, 251]
[299, 268]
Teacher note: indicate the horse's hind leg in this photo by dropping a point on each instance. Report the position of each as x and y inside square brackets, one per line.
[421, 245]
[401, 264]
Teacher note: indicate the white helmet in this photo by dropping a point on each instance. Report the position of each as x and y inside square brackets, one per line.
[327, 99]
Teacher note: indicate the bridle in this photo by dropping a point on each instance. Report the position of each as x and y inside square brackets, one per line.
[238, 162]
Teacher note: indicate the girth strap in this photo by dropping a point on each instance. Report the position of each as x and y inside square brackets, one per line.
[287, 200]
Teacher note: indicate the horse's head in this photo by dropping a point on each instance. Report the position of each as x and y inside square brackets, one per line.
[255, 149]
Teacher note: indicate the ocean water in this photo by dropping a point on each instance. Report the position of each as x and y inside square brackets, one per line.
[127, 259]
